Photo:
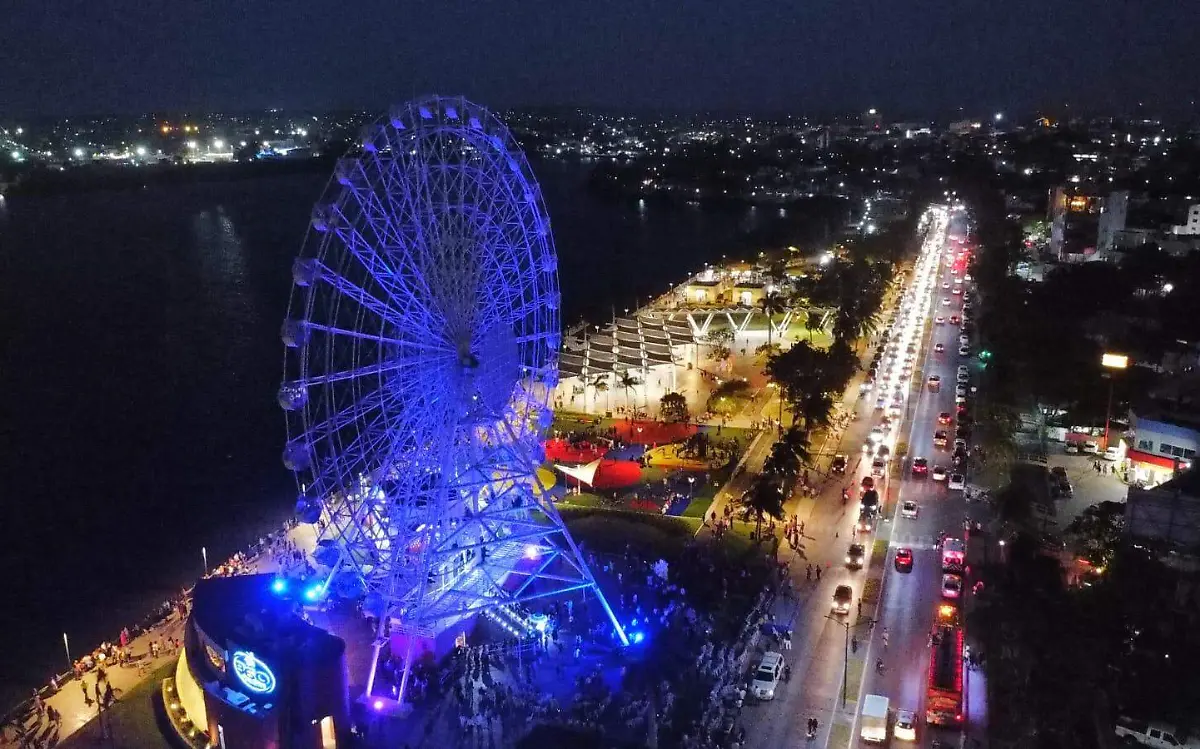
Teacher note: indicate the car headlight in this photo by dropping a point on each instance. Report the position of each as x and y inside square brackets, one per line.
[847, 560]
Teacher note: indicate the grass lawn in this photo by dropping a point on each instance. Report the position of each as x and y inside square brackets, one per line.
[854, 679]
[570, 421]
[608, 531]
[134, 719]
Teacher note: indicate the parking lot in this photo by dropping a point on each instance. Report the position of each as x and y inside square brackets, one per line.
[1089, 486]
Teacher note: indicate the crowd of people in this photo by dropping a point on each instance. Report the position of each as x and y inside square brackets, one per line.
[35, 723]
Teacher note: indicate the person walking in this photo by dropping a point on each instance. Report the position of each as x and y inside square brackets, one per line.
[87, 698]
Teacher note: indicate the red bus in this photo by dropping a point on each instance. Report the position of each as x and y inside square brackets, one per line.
[944, 698]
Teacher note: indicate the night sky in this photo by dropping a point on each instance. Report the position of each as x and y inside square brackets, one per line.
[909, 58]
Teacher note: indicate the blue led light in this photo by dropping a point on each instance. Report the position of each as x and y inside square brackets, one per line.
[279, 585]
[253, 673]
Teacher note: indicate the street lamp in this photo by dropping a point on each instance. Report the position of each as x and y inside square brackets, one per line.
[846, 650]
[1112, 362]
[204, 553]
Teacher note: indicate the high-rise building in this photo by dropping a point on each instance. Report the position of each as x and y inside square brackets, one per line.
[1191, 226]
[1084, 223]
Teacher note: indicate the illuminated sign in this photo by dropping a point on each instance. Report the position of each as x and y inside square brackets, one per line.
[1115, 361]
[253, 673]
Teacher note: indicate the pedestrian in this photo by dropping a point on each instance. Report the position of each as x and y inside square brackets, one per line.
[87, 698]
[818, 574]
[808, 573]
[853, 644]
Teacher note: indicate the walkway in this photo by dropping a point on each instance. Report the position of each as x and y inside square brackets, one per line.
[78, 710]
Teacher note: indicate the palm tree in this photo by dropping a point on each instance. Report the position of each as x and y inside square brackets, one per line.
[627, 381]
[772, 303]
[812, 323]
[600, 385]
[765, 497]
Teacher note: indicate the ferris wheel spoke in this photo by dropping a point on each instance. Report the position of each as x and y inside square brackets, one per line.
[378, 368]
[390, 278]
[358, 334]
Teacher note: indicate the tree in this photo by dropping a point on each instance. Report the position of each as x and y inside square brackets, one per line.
[782, 462]
[1096, 533]
[765, 497]
[772, 303]
[812, 323]
[600, 385]
[627, 381]
[673, 407]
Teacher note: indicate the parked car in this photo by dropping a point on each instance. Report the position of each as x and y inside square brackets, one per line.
[767, 676]
[938, 473]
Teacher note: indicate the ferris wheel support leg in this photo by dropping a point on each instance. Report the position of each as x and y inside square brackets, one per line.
[408, 654]
[376, 649]
[612, 617]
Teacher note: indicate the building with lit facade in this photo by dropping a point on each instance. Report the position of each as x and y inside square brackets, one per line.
[1084, 224]
[253, 674]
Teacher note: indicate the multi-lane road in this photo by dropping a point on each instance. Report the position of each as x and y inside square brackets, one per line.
[903, 603]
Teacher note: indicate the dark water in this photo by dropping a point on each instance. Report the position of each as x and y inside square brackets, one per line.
[139, 358]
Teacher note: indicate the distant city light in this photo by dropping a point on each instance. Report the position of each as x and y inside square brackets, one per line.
[20, 131]
[871, 111]
[78, 153]
[191, 144]
[243, 144]
[141, 151]
[218, 144]
[16, 155]
[532, 551]
[1168, 288]
[999, 116]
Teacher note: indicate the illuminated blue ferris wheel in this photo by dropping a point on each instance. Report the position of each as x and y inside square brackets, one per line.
[421, 354]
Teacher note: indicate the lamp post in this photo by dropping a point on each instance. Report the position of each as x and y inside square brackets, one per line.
[204, 553]
[67, 647]
[847, 626]
[1113, 363]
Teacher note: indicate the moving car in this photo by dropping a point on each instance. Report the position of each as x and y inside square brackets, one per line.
[945, 418]
[946, 302]
[957, 481]
[920, 466]
[767, 676]
[855, 555]
[938, 473]
[866, 521]
[954, 319]
[939, 438]
[956, 290]
[908, 509]
[939, 320]
[951, 586]
[842, 597]
[906, 726]
[877, 434]
[879, 467]
[904, 560]
[939, 348]
[838, 465]
[935, 383]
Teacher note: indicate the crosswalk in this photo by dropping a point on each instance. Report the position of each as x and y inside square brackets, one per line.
[913, 541]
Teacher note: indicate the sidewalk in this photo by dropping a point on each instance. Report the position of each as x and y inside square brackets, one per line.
[77, 711]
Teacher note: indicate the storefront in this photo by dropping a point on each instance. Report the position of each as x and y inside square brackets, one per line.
[1150, 470]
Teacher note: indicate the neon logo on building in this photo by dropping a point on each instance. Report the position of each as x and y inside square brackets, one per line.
[253, 673]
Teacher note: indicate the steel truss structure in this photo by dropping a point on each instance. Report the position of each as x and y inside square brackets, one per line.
[421, 353]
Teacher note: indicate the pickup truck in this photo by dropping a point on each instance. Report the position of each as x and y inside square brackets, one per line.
[874, 719]
[1157, 735]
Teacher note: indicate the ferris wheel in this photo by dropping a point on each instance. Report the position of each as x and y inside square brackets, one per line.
[421, 354]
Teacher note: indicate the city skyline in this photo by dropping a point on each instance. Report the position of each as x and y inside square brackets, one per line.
[755, 58]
